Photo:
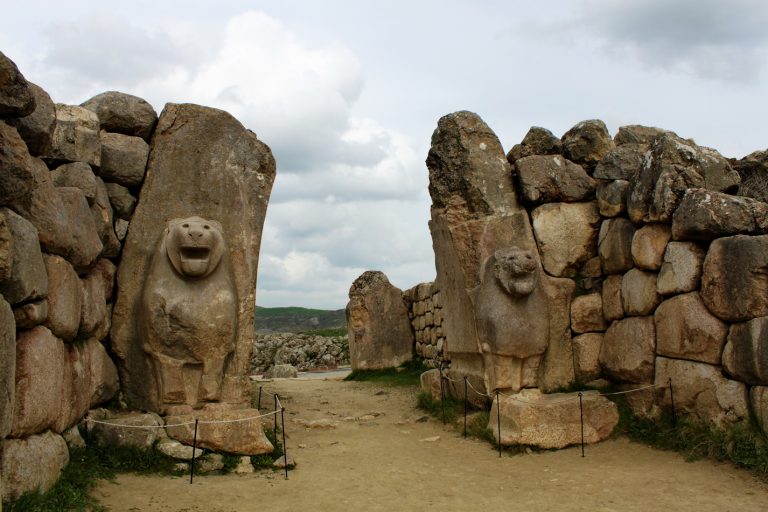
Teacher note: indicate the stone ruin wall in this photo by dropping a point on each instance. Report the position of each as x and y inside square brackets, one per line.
[70, 179]
[425, 311]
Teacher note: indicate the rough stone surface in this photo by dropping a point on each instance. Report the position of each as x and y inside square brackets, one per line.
[587, 142]
[37, 128]
[76, 136]
[706, 215]
[566, 235]
[638, 292]
[629, 349]
[30, 314]
[65, 298]
[86, 243]
[96, 291]
[524, 414]
[538, 141]
[614, 245]
[177, 450]
[587, 314]
[701, 390]
[282, 371]
[16, 96]
[685, 329]
[556, 370]
[22, 464]
[28, 279]
[377, 320]
[586, 356]
[123, 159]
[103, 385]
[6, 248]
[552, 178]
[612, 197]
[121, 229]
[681, 270]
[621, 163]
[758, 398]
[7, 366]
[733, 283]
[227, 178]
[78, 175]
[122, 113]
[244, 437]
[122, 200]
[746, 353]
[77, 396]
[649, 244]
[613, 307]
[73, 438]
[302, 351]
[103, 219]
[17, 167]
[637, 134]
[117, 430]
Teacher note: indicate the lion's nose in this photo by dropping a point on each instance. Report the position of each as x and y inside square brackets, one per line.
[195, 233]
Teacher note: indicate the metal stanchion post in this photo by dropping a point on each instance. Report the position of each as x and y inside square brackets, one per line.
[274, 420]
[581, 415]
[442, 392]
[285, 448]
[465, 406]
[672, 398]
[498, 418]
[194, 449]
[258, 404]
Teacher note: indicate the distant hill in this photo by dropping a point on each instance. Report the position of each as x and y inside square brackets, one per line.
[294, 319]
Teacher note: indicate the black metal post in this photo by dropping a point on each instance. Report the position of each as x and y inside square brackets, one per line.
[442, 392]
[672, 398]
[194, 449]
[285, 448]
[258, 405]
[465, 406]
[87, 432]
[274, 420]
[498, 418]
[581, 414]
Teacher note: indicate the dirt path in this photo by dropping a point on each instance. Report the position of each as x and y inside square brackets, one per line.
[377, 457]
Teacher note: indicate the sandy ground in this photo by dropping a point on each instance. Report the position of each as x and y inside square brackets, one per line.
[377, 456]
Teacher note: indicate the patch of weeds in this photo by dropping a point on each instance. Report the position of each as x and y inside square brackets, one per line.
[477, 427]
[407, 374]
[267, 460]
[230, 462]
[450, 408]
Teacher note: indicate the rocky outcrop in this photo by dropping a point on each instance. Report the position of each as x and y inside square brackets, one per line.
[303, 351]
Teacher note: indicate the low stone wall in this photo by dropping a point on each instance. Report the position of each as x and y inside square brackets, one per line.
[426, 315]
[303, 351]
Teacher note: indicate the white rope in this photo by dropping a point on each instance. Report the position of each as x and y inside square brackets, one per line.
[200, 422]
[629, 390]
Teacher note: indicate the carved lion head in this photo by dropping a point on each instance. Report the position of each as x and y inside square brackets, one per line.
[515, 270]
[194, 246]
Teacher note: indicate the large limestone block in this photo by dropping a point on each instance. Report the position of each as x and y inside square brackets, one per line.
[78, 175]
[566, 234]
[103, 384]
[629, 349]
[7, 366]
[43, 379]
[380, 335]
[17, 167]
[706, 215]
[746, 353]
[468, 172]
[733, 283]
[701, 390]
[123, 113]
[122, 201]
[96, 290]
[552, 178]
[204, 163]
[638, 292]
[614, 245]
[685, 329]
[86, 243]
[758, 398]
[30, 314]
[123, 159]
[672, 166]
[103, 219]
[587, 314]
[76, 136]
[556, 370]
[32, 464]
[16, 97]
[231, 431]
[6, 248]
[77, 397]
[586, 356]
[65, 298]
[681, 270]
[613, 308]
[587, 142]
[649, 244]
[37, 128]
[538, 141]
[612, 197]
[140, 430]
[552, 421]
[28, 279]
[621, 163]
[637, 134]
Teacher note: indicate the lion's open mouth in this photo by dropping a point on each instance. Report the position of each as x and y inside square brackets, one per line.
[194, 253]
[194, 260]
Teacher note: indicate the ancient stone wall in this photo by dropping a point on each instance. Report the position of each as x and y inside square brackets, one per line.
[426, 314]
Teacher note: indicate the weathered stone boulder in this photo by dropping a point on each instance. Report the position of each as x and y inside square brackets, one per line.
[7, 366]
[552, 421]
[236, 431]
[758, 398]
[227, 178]
[701, 390]
[282, 371]
[613, 308]
[552, 178]
[629, 350]
[77, 175]
[681, 270]
[587, 142]
[27, 279]
[17, 165]
[103, 384]
[587, 314]
[77, 396]
[37, 128]
[637, 134]
[86, 244]
[123, 159]
[705, 215]
[380, 334]
[586, 356]
[16, 97]
[612, 197]
[733, 284]
[746, 353]
[96, 291]
[179, 451]
[65, 298]
[76, 136]
[103, 219]
[538, 141]
[638, 293]
[32, 464]
[566, 235]
[614, 245]
[685, 329]
[124, 429]
[556, 370]
[621, 163]
[649, 244]
[123, 113]
[673, 166]
[122, 200]
[30, 314]
[6, 248]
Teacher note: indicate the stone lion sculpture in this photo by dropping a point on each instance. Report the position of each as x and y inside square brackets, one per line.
[188, 315]
[512, 318]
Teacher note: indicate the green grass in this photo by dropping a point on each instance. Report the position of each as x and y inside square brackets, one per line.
[267, 460]
[450, 409]
[408, 374]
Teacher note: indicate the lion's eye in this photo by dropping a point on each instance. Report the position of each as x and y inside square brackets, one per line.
[207, 226]
[185, 225]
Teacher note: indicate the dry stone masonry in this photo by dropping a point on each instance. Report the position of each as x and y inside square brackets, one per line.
[426, 314]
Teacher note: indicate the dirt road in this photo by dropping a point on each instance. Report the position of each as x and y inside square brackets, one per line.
[371, 454]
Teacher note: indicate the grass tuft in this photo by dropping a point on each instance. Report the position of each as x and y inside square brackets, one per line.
[407, 374]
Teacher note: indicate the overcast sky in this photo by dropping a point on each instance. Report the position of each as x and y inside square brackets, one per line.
[347, 94]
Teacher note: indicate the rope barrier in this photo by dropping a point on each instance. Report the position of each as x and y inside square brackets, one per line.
[201, 422]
